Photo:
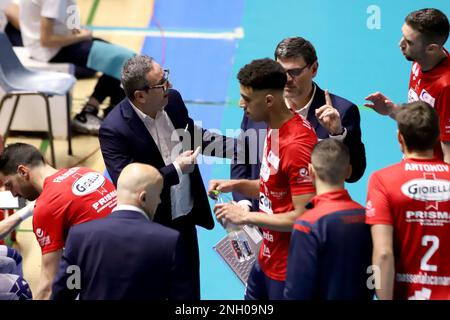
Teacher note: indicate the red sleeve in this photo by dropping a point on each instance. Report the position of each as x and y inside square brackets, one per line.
[443, 109]
[378, 210]
[295, 163]
[48, 226]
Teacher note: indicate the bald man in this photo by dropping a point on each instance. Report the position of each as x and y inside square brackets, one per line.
[126, 255]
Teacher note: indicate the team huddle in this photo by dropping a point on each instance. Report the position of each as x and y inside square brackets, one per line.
[134, 237]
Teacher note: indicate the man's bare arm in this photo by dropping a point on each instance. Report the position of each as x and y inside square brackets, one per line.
[446, 150]
[9, 224]
[49, 269]
[248, 188]
[278, 222]
[51, 40]
[383, 257]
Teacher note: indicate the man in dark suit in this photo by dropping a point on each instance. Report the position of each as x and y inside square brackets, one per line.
[147, 127]
[126, 255]
[331, 116]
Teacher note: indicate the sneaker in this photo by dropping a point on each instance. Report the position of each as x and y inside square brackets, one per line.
[89, 108]
[86, 123]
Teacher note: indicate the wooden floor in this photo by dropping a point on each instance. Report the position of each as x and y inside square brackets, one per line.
[86, 149]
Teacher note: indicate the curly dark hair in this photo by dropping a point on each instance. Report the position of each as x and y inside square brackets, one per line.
[263, 74]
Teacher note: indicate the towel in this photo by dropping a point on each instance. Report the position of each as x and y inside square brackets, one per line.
[108, 58]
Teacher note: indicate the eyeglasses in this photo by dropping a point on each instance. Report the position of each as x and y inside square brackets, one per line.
[163, 84]
[296, 71]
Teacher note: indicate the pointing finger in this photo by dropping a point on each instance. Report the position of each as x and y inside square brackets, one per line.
[328, 98]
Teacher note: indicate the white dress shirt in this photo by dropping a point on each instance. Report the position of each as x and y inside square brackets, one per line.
[305, 109]
[168, 141]
[129, 207]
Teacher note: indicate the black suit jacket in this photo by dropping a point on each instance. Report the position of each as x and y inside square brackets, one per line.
[350, 119]
[124, 256]
[125, 139]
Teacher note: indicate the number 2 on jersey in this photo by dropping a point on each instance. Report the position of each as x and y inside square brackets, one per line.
[427, 256]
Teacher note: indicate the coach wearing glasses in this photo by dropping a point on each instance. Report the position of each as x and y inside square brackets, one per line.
[146, 127]
[331, 116]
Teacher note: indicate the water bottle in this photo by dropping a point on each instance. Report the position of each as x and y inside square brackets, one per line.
[223, 198]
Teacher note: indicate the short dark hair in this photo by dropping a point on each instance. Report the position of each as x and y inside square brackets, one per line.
[418, 123]
[330, 159]
[19, 154]
[296, 47]
[431, 23]
[134, 74]
[263, 74]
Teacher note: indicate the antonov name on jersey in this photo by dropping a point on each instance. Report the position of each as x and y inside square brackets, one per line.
[87, 183]
[426, 167]
[427, 190]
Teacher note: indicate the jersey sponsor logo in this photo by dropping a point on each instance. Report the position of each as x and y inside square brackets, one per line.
[412, 96]
[425, 96]
[39, 232]
[266, 251]
[303, 175]
[423, 279]
[427, 190]
[107, 201]
[278, 194]
[265, 204]
[42, 238]
[428, 218]
[426, 167]
[88, 183]
[370, 210]
[268, 236]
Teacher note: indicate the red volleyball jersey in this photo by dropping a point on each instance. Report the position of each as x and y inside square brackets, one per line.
[433, 86]
[414, 197]
[69, 197]
[284, 173]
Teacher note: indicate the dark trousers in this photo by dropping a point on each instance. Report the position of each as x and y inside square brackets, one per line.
[14, 35]
[261, 287]
[106, 86]
[188, 233]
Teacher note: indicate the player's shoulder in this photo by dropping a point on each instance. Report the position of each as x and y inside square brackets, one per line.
[48, 202]
[390, 171]
[329, 210]
[298, 131]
